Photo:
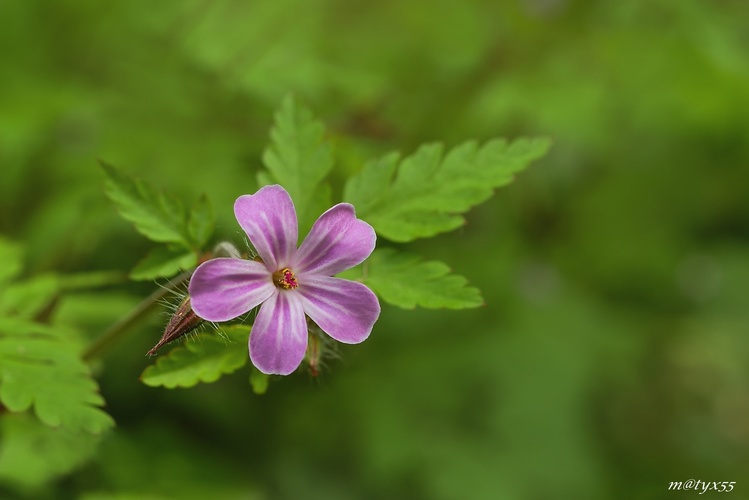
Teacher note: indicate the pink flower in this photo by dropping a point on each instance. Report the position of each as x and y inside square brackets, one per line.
[290, 282]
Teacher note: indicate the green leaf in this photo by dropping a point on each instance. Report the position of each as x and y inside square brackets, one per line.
[163, 262]
[299, 159]
[32, 454]
[29, 297]
[201, 222]
[157, 216]
[319, 202]
[204, 359]
[258, 381]
[11, 261]
[404, 280]
[425, 193]
[39, 366]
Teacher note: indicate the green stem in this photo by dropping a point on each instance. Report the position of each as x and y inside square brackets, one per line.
[117, 330]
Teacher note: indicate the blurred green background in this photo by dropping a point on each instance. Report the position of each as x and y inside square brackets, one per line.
[612, 354]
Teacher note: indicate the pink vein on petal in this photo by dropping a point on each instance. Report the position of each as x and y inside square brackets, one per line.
[269, 219]
[279, 335]
[336, 242]
[345, 310]
[222, 289]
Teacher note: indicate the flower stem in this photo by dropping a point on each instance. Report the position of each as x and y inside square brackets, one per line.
[118, 329]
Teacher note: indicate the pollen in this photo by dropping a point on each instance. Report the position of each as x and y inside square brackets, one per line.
[285, 279]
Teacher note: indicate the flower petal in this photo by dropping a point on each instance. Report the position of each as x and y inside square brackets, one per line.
[337, 241]
[279, 335]
[345, 310]
[222, 289]
[269, 219]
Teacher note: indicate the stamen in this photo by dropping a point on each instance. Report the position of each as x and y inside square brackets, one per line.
[285, 279]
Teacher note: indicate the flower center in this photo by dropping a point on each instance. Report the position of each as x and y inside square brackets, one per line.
[285, 279]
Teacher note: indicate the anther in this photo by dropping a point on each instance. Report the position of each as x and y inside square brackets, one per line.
[285, 279]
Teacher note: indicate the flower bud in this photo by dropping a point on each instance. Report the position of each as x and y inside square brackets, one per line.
[312, 356]
[182, 322]
[319, 349]
[226, 249]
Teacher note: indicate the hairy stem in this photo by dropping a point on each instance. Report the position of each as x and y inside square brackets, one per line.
[117, 330]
